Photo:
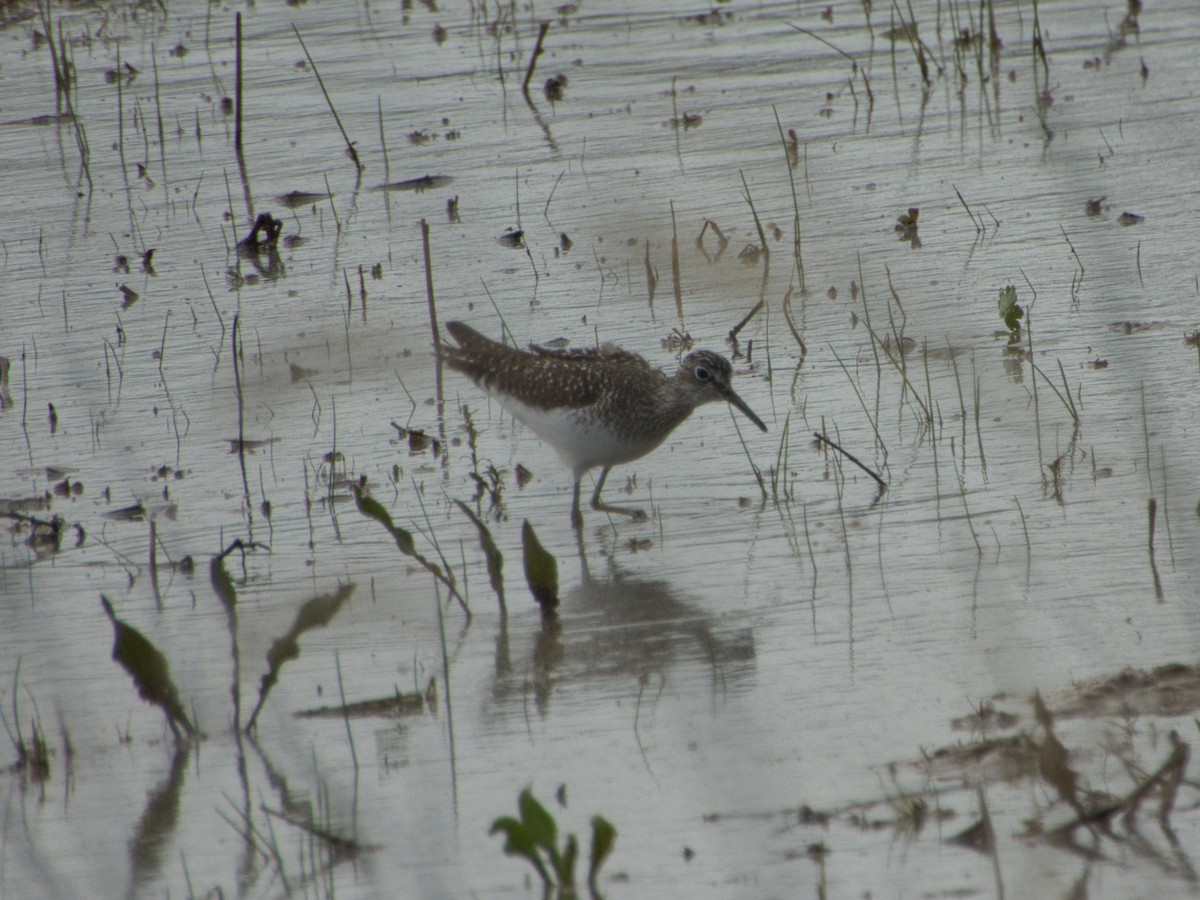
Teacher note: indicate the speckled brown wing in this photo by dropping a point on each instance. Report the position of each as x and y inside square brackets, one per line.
[548, 379]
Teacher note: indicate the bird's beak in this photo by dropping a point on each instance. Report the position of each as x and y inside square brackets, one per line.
[741, 404]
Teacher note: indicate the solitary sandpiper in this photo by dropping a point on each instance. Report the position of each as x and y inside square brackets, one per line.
[601, 406]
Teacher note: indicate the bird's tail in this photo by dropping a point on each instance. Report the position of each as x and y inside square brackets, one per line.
[475, 354]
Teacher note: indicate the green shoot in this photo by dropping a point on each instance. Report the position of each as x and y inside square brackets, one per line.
[1011, 313]
[534, 838]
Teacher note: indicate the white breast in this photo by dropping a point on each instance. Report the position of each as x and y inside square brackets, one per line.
[580, 440]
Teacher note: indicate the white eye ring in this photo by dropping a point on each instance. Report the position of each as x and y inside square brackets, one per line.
[702, 373]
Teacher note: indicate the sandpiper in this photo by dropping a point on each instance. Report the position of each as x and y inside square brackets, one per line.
[601, 406]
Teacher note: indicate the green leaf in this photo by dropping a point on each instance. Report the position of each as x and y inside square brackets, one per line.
[404, 540]
[491, 553]
[566, 871]
[517, 839]
[604, 838]
[315, 613]
[373, 509]
[1010, 310]
[541, 569]
[222, 583]
[149, 669]
[519, 842]
[540, 823]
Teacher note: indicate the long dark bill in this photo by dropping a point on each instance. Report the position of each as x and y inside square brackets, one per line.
[746, 410]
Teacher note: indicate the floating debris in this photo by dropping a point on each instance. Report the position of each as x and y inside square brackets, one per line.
[555, 88]
[424, 183]
[299, 199]
[686, 121]
[382, 708]
[59, 119]
[265, 232]
[299, 373]
[418, 440]
[249, 446]
[135, 513]
[906, 227]
[512, 238]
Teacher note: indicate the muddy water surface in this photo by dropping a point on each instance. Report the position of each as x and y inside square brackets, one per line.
[786, 681]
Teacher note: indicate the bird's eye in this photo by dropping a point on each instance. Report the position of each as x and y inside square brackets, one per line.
[702, 373]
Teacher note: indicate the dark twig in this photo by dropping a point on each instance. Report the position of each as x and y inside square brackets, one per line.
[733, 333]
[237, 91]
[537, 51]
[349, 143]
[850, 456]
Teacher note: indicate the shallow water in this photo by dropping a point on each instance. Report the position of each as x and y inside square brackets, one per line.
[759, 687]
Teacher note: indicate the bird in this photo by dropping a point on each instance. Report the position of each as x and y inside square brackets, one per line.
[598, 407]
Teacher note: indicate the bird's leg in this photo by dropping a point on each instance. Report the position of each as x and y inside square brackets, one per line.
[576, 515]
[637, 515]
